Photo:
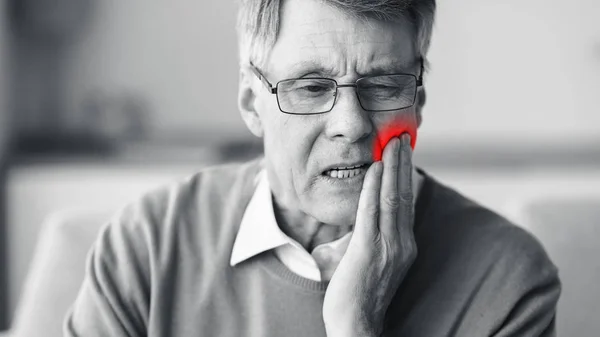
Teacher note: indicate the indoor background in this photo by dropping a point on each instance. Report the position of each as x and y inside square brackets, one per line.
[102, 100]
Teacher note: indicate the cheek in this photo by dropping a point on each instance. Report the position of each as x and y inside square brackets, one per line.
[392, 127]
[290, 139]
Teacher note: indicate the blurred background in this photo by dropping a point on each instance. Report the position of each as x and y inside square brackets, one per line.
[102, 100]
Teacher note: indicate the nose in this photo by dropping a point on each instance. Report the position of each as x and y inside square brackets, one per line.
[347, 120]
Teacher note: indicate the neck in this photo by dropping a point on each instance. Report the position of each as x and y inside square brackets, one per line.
[310, 232]
[305, 229]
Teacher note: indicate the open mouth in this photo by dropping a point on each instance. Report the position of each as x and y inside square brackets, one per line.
[346, 172]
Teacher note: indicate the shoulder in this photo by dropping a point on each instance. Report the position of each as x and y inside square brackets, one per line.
[210, 183]
[477, 270]
[214, 180]
[480, 238]
[153, 224]
[155, 239]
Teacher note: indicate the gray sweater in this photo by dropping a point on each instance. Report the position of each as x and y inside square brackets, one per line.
[161, 268]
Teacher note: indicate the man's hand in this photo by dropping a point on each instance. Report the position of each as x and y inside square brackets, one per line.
[381, 250]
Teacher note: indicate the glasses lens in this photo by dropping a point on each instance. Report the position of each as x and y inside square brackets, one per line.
[306, 96]
[390, 92]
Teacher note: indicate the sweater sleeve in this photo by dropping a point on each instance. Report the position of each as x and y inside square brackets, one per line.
[538, 289]
[534, 315]
[114, 297]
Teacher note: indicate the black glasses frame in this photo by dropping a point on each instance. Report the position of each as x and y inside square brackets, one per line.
[274, 89]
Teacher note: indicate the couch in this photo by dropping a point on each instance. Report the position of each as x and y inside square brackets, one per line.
[56, 272]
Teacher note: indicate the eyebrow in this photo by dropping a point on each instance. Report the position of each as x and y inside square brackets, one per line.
[303, 68]
[306, 67]
[396, 68]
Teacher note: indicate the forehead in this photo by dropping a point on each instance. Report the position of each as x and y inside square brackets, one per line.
[316, 36]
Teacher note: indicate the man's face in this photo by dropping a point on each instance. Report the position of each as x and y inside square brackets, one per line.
[316, 40]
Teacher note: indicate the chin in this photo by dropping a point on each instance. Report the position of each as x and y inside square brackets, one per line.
[336, 212]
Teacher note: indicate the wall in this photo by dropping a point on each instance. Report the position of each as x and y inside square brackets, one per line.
[515, 71]
[180, 55]
[528, 69]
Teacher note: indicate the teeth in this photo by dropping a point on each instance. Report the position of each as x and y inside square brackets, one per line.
[344, 173]
[349, 168]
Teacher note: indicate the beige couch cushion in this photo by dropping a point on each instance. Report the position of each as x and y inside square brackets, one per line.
[56, 272]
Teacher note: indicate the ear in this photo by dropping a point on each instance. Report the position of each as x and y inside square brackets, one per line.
[421, 98]
[246, 103]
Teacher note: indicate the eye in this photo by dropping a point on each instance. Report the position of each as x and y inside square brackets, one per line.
[383, 87]
[379, 88]
[315, 88]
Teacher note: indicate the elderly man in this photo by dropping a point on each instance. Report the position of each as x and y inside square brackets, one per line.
[333, 232]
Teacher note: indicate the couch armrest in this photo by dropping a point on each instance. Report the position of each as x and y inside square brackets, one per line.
[56, 271]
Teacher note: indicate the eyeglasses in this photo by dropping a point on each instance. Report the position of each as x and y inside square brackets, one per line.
[315, 95]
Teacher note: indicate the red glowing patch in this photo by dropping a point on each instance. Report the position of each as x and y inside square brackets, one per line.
[393, 129]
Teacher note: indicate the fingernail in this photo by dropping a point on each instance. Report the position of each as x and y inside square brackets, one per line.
[405, 139]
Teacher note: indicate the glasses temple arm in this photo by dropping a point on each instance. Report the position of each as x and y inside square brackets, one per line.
[262, 79]
[420, 79]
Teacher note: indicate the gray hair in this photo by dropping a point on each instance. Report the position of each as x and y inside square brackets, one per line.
[258, 22]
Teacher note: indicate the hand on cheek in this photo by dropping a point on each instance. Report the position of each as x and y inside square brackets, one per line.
[381, 249]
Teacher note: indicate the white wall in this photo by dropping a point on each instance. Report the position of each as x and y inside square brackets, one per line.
[182, 55]
[524, 70]
[520, 70]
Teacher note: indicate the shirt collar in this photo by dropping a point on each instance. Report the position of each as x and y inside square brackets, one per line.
[258, 231]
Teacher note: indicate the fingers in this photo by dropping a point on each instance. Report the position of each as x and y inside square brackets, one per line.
[368, 203]
[405, 191]
[386, 199]
[389, 197]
